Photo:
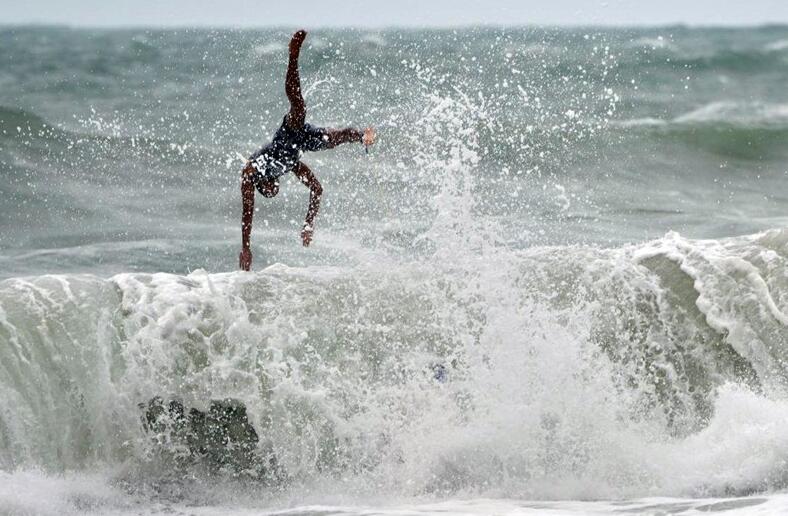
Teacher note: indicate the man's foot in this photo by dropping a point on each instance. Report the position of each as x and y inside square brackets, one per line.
[296, 41]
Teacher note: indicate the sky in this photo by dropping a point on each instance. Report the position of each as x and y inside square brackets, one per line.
[384, 13]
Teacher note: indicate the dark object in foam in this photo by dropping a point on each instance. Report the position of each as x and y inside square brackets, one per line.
[220, 439]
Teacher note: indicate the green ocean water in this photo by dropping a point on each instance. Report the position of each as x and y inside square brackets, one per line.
[127, 143]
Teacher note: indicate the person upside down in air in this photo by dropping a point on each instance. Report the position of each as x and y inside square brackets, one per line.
[283, 155]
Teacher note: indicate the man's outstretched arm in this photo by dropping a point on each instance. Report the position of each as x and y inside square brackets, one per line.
[297, 115]
[247, 198]
[315, 192]
[348, 135]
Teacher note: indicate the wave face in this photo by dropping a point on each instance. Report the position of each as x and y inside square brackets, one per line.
[657, 368]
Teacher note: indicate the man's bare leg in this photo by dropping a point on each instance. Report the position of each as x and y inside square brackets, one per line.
[297, 115]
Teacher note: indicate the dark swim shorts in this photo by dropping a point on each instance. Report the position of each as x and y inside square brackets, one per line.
[282, 155]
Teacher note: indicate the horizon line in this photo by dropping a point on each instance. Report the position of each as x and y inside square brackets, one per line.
[483, 25]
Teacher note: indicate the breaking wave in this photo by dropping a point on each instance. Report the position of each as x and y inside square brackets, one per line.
[561, 371]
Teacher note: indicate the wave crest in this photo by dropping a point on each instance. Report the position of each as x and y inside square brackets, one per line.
[565, 356]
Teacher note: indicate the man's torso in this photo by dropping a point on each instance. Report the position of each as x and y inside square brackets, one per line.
[283, 153]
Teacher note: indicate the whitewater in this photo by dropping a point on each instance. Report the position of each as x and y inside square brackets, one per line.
[559, 285]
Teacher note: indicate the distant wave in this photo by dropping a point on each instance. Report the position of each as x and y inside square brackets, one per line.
[654, 43]
[749, 114]
[777, 46]
[674, 56]
[744, 130]
[375, 38]
[734, 60]
[269, 48]
[35, 135]
[640, 122]
[743, 114]
[15, 120]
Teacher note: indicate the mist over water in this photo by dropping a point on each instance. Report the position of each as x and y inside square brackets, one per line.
[561, 274]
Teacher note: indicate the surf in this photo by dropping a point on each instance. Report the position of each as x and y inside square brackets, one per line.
[585, 364]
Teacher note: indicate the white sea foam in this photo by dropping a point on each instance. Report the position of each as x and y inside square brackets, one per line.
[33, 492]
[531, 410]
[749, 114]
[737, 112]
[654, 43]
[375, 38]
[269, 48]
[640, 122]
[777, 46]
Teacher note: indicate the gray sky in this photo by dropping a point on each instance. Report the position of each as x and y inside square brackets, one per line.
[381, 13]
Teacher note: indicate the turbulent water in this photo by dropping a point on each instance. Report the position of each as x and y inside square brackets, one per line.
[561, 274]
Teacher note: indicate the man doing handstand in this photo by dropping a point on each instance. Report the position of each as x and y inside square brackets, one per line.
[283, 155]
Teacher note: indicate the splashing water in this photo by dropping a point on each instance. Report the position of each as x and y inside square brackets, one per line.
[454, 340]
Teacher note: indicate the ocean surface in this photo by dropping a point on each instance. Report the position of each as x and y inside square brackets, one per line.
[558, 284]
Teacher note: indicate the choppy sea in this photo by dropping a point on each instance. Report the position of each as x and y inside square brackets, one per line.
[557, 285]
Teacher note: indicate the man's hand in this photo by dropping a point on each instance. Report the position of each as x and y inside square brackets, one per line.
[369, 136]
[306, 234]
[296, 41]
[245, 259]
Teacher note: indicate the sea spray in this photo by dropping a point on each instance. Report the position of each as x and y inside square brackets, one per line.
[494, 305]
